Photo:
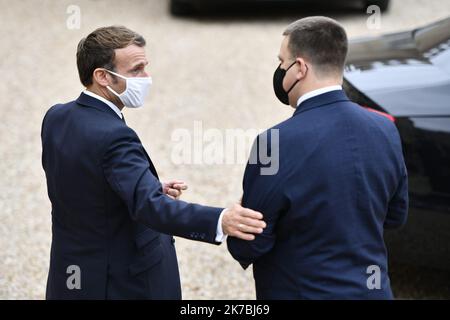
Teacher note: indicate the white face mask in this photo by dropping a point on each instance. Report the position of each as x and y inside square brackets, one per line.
[135, 92]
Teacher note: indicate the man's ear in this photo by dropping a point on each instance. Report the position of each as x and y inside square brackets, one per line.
[100, 76]
[303, 68]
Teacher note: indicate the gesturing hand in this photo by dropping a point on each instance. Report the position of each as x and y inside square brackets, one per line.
[174, 188]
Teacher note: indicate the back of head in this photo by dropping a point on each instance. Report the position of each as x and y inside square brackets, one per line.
[320, 40]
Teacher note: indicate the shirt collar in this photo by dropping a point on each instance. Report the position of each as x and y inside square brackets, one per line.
[317, 92]
[109, 103]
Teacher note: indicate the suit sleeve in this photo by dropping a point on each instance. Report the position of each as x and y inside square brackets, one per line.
[127, 171]
[398, 205]
[263, 193]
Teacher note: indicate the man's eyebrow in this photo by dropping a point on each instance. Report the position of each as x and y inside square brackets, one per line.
[140, 64]
[279, 58]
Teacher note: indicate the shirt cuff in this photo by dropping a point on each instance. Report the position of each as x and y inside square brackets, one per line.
[220, 237]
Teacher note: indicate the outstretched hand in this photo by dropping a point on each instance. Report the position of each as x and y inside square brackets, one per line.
[242, 223]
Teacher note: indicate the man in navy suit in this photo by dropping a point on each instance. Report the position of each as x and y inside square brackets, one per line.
[340, 181]
[112, 220]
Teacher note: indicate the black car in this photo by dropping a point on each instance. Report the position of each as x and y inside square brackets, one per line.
[407, 76]
[181, 7]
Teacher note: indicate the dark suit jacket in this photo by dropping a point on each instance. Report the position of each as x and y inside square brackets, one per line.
[341, 181]
[109, 214]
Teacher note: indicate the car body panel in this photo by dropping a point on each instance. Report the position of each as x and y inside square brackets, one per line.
[407, 75]
[413, 64]
[240, 4]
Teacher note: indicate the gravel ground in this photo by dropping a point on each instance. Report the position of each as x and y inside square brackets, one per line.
[215, 70]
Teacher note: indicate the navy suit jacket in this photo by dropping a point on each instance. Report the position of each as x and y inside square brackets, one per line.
[110, 217]
[341, 181]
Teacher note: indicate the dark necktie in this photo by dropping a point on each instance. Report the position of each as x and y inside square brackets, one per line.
[123, 119]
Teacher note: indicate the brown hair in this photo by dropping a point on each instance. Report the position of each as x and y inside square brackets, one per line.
[97, 49]
[321, 40]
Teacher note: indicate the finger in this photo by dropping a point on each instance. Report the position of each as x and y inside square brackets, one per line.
[253, 222]
[173, 192]
[243, 236]
[248, 229]
[172, 182]
[249, 213]
[180, 186]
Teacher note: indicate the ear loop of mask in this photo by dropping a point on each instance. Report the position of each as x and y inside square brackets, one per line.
[116, 74]
[295, 83]
[109, 87]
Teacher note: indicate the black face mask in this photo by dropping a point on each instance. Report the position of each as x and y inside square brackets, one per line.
[278, 78]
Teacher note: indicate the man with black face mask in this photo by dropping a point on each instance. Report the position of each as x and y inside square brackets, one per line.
[341, 180]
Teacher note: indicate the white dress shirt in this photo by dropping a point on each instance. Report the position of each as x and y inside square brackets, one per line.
[109, 103]
[317, 92]
[220, 237]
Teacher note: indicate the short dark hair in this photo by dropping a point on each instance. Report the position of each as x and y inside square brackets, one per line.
[321, 40]
[97, 49]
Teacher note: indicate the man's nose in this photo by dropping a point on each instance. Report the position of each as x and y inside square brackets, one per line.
[145, 74]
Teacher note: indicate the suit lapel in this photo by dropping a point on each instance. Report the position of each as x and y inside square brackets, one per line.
[88, 101]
